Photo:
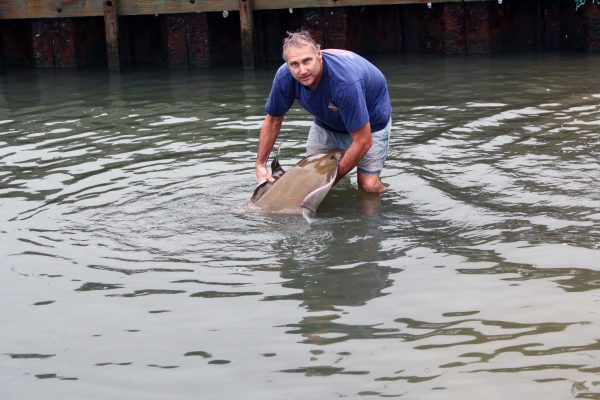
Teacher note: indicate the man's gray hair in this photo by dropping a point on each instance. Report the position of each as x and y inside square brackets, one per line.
[299, 39]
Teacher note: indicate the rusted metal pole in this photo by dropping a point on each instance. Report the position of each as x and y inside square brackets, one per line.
[247, 33]
[111, 24]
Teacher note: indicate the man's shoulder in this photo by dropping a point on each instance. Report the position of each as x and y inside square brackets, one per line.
[283, 77]
[283, 72]
[344, 68]
[340, 53]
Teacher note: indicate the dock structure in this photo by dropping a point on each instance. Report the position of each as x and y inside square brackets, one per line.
[202, 33]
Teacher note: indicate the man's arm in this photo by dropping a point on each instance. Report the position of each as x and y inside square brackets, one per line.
[361, 143]
[268, 134]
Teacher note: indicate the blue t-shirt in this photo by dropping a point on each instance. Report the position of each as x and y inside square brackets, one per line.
[352, 92]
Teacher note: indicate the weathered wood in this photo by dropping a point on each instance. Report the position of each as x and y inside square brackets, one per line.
[187, 40]
[583, 28]
[454, 29]
[278, 4]
[111, 24]
[178, 33]
[247, 33]
[65, 42]
[176, 40]
[198, 40]
[14, 9]
[42, 43]
[479, 28]
[29, 9]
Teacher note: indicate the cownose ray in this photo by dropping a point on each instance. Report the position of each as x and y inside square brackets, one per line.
[300, 189]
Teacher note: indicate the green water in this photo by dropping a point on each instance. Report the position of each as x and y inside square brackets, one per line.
[131, 269]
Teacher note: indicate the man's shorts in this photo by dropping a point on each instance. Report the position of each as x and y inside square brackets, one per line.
[321, 140]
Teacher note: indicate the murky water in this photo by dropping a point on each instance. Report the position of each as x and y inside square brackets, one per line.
[130, 270]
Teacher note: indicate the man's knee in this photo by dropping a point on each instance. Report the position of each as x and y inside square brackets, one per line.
[370, 183]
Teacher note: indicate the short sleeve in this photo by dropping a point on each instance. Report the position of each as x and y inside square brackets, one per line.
[282, 93]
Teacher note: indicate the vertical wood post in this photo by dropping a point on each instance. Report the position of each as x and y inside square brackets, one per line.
[111, 24]
[455, 41]
[176, 40]
[42, 38]
[247, 33]
[199, 54]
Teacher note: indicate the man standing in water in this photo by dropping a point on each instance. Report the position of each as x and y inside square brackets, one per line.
[349, 100]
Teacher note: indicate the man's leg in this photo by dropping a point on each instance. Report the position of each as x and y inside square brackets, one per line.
[371, 164]
[321, 141]
[370, 183]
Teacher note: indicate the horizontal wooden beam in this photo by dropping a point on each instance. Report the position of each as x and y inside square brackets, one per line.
[278, 4]
[30, 9]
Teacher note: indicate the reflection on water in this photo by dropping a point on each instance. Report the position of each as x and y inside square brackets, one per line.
[130, 269]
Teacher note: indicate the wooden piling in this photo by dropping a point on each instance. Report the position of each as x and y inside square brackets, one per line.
[479, 28]
[333, 27]
[455, 41]
[42, 43]
[247, 33]
[111, 25]
[198, 38]
[176, 40]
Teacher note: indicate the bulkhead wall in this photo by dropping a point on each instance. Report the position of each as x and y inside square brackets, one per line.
[208, 39]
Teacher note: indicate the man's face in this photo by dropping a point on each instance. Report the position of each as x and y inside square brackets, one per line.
[305, 65]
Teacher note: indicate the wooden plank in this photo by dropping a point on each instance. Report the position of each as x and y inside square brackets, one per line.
[111, 25]
[247, 33]
[279, 4]
[29, 9]
[18, 9]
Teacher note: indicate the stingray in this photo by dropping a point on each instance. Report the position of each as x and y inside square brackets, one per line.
[302, 188]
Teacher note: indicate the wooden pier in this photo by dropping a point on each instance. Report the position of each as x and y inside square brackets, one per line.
[201, 33]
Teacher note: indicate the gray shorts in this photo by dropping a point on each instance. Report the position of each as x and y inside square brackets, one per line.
[321, 140]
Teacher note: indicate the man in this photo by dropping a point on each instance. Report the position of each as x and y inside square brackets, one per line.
[349, 100]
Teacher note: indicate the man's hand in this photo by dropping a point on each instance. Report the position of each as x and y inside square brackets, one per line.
[262, 174]
[268, 133]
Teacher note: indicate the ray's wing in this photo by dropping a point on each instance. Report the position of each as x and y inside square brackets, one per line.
[304, 186]
[312, 201]
[277, 172]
